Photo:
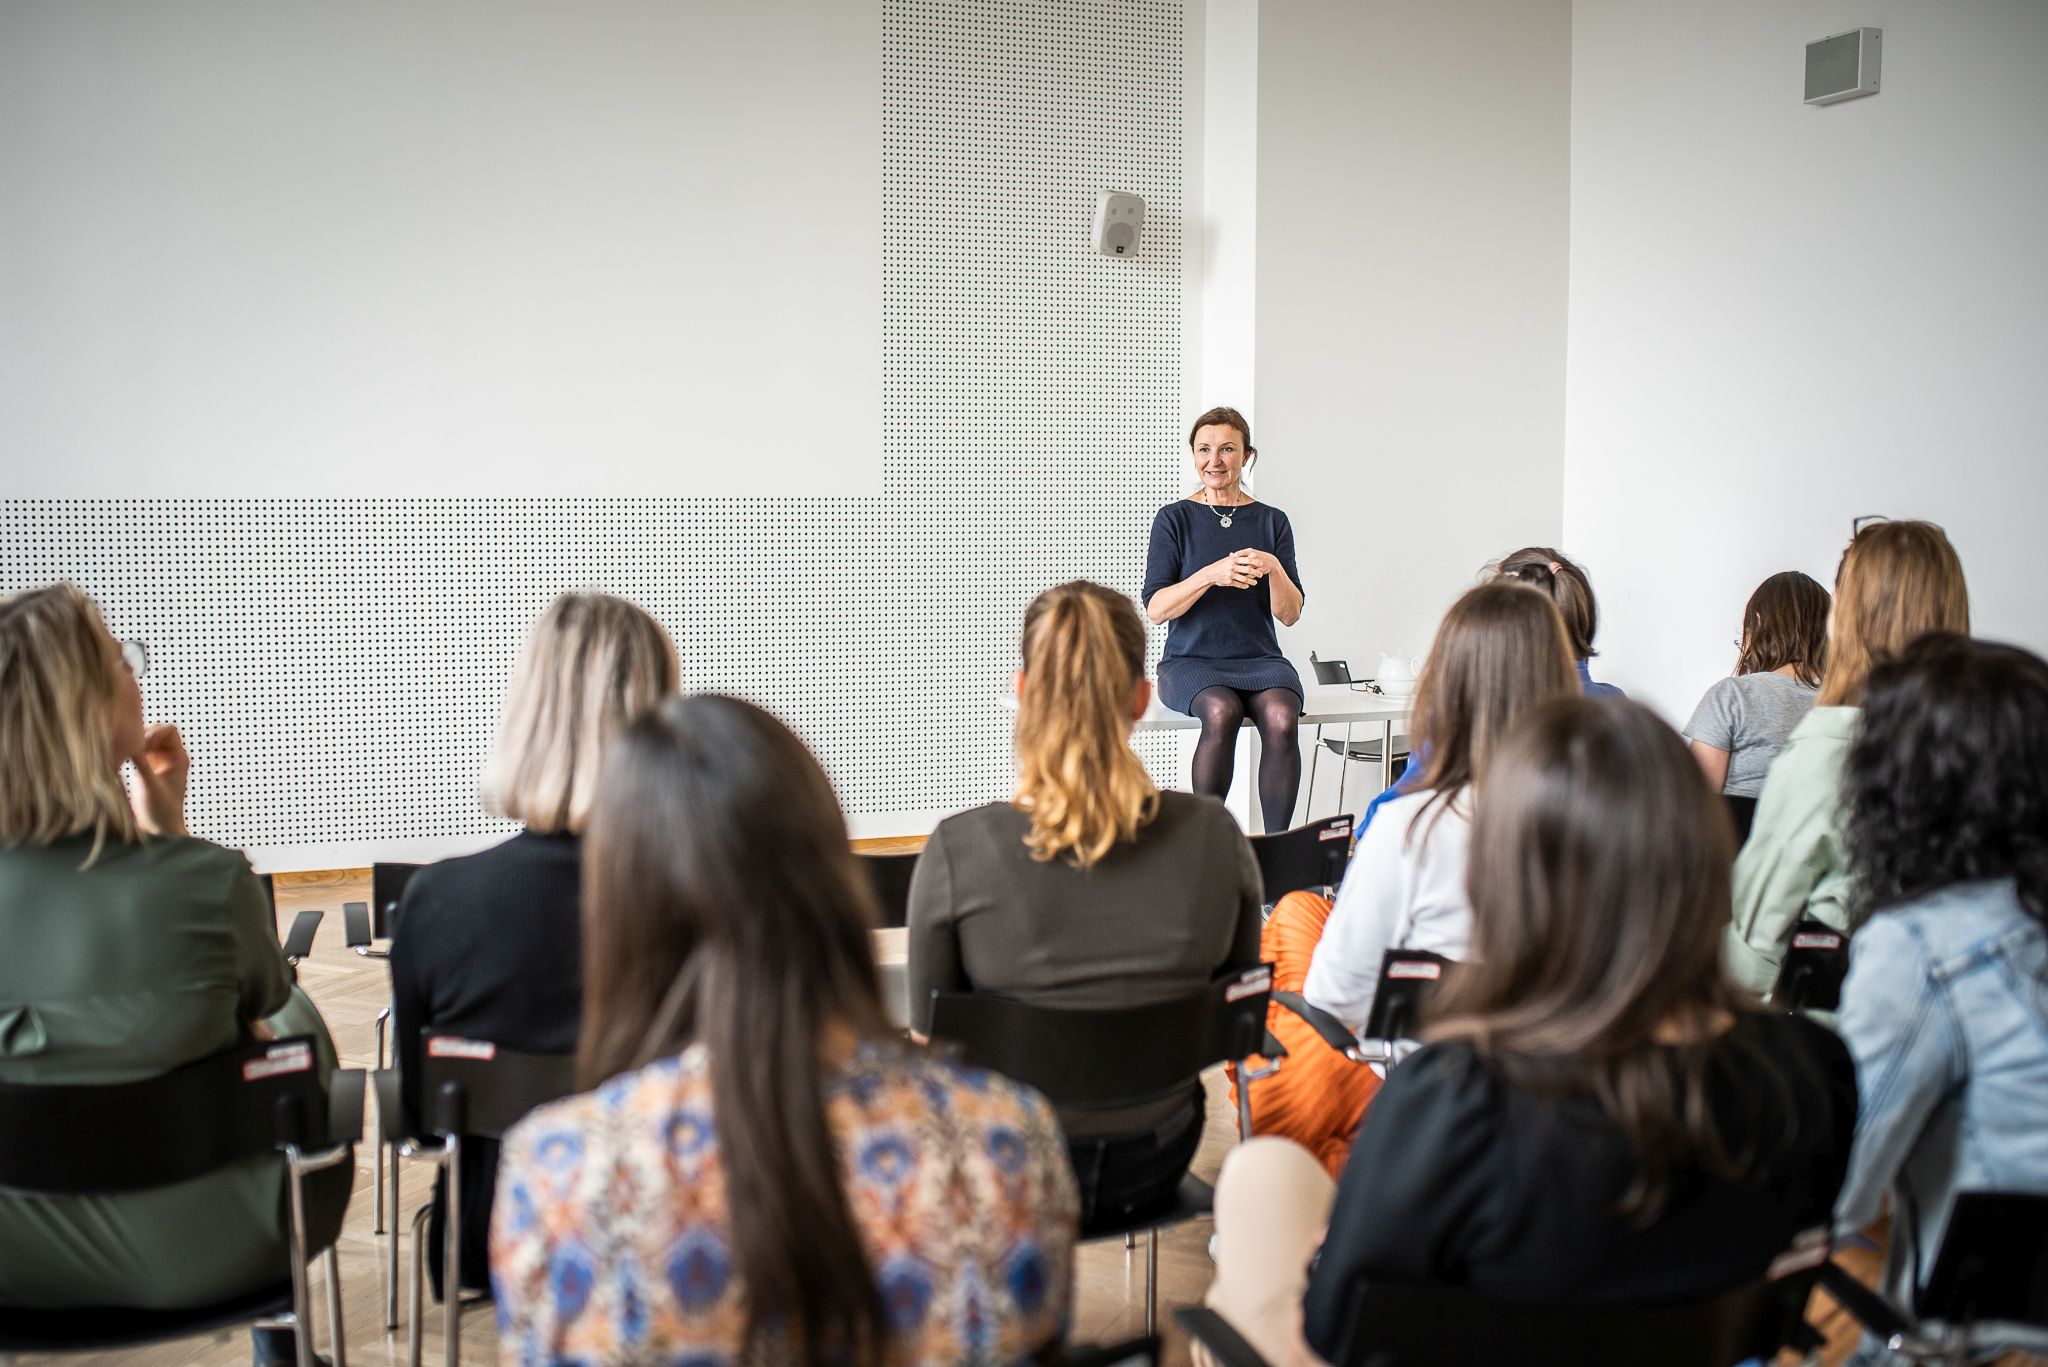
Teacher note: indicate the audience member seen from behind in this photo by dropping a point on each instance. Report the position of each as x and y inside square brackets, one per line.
[132, 948]
[487, 947]
[1090, 887]
[1897, 581]
[1602, 1116]
[1742, 723]
[764, 1171]
[1547, 569]
[1946, 1004]
[1500, 650]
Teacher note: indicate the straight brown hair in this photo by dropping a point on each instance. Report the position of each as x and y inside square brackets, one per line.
[1224, 416]
[1078, 778]
[1500, 650]
[1897, 581]
[1599, 882]
[1548, 569]
[1785, 622]
[722, 907]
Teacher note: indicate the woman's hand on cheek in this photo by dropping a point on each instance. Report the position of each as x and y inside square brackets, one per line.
[161, 769]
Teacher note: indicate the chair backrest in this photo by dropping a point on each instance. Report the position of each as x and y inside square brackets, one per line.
[890, 874]
[387, 885]
[1816, 961]
[1993, 1263]
[127, 1136]
[1330, 671]
[1407, 977]
[1107, 1057]
[1742, 815]
[1310, 856]
[1445, 1326]
[478, 1089]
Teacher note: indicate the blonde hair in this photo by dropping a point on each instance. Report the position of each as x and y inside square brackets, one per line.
[1897, 581]
[57, 688]
[592, 663]
[1077, 776]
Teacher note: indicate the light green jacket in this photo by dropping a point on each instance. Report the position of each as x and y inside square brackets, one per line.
[1793, 865]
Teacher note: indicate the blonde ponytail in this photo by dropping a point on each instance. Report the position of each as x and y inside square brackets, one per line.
[1083, 786]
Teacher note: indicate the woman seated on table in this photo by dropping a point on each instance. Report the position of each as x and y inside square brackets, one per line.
[132, 948]
[487, 946]
[1500, 650]
[1089, 887]
[765, 1171]
[1601, 1115]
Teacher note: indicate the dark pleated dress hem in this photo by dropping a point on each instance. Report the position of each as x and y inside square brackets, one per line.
[1181, 678]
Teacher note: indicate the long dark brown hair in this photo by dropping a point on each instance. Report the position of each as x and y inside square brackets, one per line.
[1549, 569]
[722, 907]
[1785, 622]
[1598, 877]
[1499, 650]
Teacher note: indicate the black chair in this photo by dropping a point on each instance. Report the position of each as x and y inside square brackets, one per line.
[250, 1100]
[1741, 815]
[1993, 1267]
[469, 1089]
[890, 874]
[1816, 962]
[363, 925]
[1407, 976]
[1391, 1325]
[1117, 1056]
[1309, 857]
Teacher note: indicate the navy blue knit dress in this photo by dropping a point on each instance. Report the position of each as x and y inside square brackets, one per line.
[1227, 636]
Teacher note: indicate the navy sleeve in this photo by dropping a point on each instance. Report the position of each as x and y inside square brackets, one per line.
[1283, 550]
[1162, 559]
[1414, 1189]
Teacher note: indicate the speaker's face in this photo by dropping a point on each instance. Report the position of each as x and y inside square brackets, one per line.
[1218, 452]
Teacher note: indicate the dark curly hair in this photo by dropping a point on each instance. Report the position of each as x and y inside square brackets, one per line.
[1947, 781]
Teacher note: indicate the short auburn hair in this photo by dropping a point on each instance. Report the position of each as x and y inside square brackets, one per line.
[1550, 570]
[1225, 416]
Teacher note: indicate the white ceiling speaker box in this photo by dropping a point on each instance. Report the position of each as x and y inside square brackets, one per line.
[1119, 218]
[1843, 66]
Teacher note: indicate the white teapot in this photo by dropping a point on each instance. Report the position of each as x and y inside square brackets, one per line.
[1396, 675]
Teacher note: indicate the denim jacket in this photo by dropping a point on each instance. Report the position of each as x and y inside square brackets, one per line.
[1945, 1011]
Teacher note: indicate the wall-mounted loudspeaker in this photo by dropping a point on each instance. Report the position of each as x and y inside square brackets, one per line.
[1119, 218]
[1842, 67]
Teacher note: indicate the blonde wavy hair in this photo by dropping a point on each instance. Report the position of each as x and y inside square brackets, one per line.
[592, 663]
[58, 683]
[1083, 786]
[1897, 582]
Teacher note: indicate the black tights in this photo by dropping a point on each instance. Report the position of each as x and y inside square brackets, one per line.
[1274, 711]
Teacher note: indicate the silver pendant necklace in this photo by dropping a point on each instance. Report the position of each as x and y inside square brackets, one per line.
[1223, 515]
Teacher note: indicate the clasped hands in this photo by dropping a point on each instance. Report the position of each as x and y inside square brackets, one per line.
[1242, 569]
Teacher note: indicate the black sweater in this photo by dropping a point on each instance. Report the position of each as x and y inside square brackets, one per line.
[1460, 1178]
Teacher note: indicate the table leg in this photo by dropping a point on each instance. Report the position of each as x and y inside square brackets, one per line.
[1344, 769]
[1386, 754]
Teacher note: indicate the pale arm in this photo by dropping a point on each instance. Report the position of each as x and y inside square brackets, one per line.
[1286, 597]
[1175, 599]
[1713, 763]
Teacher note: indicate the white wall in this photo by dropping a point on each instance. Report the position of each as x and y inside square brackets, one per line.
[1411, 301]
[1782, 316]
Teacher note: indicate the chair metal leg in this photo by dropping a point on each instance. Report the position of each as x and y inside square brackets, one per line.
[330, 1268]
[1386, 754]
[1244, 1102]
[391, 1245]
[1130, 1242]
[383, 1023]
[302, 1303]
[416, 1294]
[1344, 769]
[1314, 757]
[451, 1256]
[1152, 1280]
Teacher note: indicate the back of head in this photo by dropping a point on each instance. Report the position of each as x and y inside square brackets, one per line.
[1546, 568]
[1083, 786]
[1947, 781]
[58, 688]
[722, 906]
[1897, 581]
[1785, 624]
[1500, 650]
[592, 662]
[1599, 880]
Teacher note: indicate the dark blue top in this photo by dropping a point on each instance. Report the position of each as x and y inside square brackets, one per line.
[1227, 637]
[1593, 687]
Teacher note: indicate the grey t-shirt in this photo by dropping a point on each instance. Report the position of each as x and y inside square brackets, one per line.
[1750, 716]
[1155, 918]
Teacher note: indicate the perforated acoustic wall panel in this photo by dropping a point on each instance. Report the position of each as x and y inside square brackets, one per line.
[338, 666]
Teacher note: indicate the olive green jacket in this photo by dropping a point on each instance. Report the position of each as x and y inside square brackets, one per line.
[1793, 865]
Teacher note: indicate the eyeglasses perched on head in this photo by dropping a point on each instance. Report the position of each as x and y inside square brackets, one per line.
[1857, 524]
[135, 654]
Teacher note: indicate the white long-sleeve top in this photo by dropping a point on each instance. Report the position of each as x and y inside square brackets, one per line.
[1401, 891]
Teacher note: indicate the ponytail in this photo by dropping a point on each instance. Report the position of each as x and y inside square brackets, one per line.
[1083, 786]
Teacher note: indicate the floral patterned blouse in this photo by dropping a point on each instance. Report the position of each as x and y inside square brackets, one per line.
[609, 1237]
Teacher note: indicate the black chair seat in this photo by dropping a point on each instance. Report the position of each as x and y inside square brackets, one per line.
[97, 1328]
[1366, 750]
[1193, 1200]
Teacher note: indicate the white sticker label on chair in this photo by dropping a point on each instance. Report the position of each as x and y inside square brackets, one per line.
[1816, 940]
[483, 1051]
[1423, 970]
[1342, 832]
[1250, 985]
[284, 1058]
